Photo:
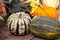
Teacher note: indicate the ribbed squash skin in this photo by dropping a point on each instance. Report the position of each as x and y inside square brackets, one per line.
[18, 23]
[45, 27]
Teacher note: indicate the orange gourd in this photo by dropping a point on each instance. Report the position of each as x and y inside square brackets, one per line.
[40, 10]
[45, 11]
[2, 9]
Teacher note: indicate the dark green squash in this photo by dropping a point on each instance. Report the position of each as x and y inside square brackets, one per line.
[45, 27]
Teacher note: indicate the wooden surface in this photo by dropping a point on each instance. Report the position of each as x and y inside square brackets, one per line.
[6, 35]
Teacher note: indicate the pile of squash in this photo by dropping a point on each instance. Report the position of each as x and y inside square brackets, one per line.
[44, 23]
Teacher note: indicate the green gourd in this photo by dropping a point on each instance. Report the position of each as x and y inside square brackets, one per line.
[45, 27]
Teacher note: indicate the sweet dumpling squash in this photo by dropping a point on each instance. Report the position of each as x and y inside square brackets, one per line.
[18, 23]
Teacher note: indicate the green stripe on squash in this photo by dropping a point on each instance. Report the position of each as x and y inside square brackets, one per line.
[45, 27]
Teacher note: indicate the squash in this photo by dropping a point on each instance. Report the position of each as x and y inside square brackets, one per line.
[41, 10]
[45, 11]
[25, 7]
[51, 3]
[18, 23]
[45, 27]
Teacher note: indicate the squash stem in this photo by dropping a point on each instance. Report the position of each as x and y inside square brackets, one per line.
[20, 15]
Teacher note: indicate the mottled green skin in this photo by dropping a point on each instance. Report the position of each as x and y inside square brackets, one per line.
[41, 25]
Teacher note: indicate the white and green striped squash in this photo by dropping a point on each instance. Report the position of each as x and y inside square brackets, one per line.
[51, 3]
[18, 23]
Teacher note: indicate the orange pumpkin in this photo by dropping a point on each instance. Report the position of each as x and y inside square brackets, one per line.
[45, 11]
